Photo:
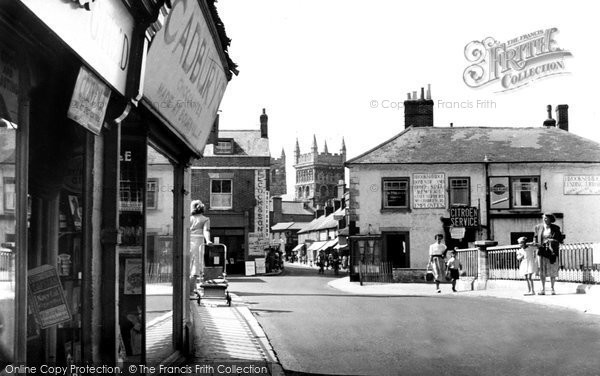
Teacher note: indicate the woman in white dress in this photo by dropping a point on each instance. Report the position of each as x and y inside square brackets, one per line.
[528, 266]
[199, 234]
[437, 253]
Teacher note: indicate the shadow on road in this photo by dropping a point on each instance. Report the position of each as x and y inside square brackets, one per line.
[239, 293]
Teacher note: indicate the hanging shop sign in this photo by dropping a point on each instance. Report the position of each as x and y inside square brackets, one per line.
[101, 36]
[261, 210]
[89, 101]
[46, 297]
[499, 198]
[464, 216]
[581, 185]
[185, 79]
[429, 191]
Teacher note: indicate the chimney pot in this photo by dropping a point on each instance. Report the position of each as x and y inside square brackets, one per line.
[428, 92]
[422, 94]
[549, 122]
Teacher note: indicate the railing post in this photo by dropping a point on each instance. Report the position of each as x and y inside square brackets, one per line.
[483, 269]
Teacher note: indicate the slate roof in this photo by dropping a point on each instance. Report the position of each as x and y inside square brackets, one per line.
[473, 144]
[322, 223]
[294, 207]
[247, 143]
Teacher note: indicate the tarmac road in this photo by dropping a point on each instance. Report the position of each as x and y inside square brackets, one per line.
[315, 329]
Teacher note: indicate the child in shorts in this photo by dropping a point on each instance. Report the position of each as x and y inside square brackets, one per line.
[454, 267]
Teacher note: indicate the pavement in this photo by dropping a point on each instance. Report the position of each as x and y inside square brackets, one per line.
[226, 335]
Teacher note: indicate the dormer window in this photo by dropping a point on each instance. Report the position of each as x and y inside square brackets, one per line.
[224, 146]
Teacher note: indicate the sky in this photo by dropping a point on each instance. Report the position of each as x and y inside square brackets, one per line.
[342, 68]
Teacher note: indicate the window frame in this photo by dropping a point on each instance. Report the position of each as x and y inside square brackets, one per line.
[155, 194]
[9, 181]
[453, 178]
[212, 194]
[220, 151]
[384, 205]
[512, 193]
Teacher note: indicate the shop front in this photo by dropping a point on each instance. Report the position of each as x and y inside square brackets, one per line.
[92, 219]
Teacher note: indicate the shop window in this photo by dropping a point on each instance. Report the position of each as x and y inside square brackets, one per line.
[459, 191]
[525, 192]
[9, 194]
[224, 146]
[221, 196]
[152, 194]
[395, 193]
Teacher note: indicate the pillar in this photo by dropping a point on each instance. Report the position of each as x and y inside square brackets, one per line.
[483, 268]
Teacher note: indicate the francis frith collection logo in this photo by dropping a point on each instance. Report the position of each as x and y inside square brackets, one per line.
[515, 63]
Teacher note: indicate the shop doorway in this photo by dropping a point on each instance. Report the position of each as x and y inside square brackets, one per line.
[396, 249]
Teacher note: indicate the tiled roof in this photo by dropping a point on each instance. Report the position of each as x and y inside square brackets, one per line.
[473, 144]
[247, 142]
[294, 207]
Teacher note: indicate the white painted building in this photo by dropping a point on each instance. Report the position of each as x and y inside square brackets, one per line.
[429, 180]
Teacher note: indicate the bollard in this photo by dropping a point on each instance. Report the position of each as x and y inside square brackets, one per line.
[483, 269]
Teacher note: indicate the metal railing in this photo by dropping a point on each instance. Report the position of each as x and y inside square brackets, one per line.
[159, 273]
[7, 266]
[375, 272]
[576, 263]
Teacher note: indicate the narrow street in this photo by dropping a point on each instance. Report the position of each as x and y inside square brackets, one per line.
[315, 329]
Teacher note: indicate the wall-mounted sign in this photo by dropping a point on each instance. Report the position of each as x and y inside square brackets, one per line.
[89, 101]
[457, 232]
[464, 216]
[101, 36]
[46, 297]
[429, 191]
[185, 80]
[257, 242]
[499, 193]
[261, 210]
[581, 185]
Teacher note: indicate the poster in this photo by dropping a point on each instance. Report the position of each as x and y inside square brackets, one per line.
[429, 191]
[47, 299]
[133, 276]
[260, 265]
[250, 268]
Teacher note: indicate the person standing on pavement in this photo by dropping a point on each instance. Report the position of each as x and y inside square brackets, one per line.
[454, 267]
[437, 253]
[528, 267]
[321, 262]
[547, 238]
[199, 235]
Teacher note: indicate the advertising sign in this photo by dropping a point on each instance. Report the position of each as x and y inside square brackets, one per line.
[464, 216]
[185, 80]
[581, 185]
[499, 193]
[250, 270]
[261, 267]
[429, 191]
[89, 101]
[261, 210]
[101, 36]
[257, 243]
[46, 297]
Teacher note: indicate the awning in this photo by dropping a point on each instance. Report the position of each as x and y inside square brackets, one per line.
[341, 246]
[328, 244]
[316, 245]
[297, 248]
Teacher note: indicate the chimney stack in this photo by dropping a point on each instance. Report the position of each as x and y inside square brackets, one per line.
[418, 112]
[264, 129]
[549, 122]
[562, 117]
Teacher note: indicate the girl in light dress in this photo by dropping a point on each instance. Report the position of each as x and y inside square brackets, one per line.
[528, 267]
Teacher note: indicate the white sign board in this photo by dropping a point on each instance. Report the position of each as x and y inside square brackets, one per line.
[46, 297]
[581, 185]
[457, 232]
[257, 243]
[101, 36]
[250, 270]
[185, 79]
[429, 191]
[261, 268]
[89, 101]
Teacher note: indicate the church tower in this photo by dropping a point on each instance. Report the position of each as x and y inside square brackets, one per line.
[317, 174]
